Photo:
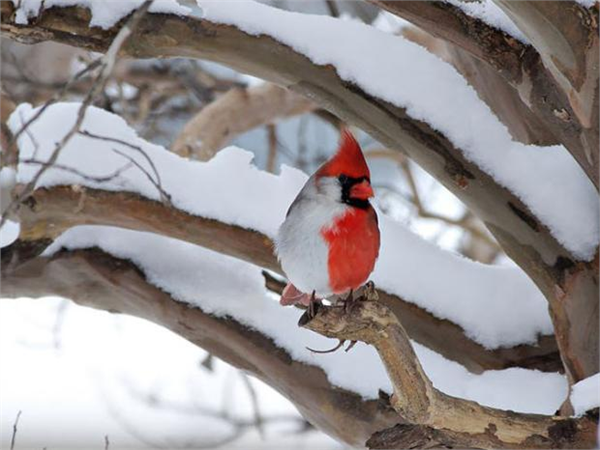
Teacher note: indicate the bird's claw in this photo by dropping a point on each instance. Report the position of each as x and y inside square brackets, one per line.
[334, 349]
[311, 311]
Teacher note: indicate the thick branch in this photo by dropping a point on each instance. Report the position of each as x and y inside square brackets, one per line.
[517, 230]
[492, 88]
[439, 417]
[237, 111]
[96, 279]
[50, 212]
[564, 33]
[451, 24]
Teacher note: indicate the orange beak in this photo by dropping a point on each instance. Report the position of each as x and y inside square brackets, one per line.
[362, 190]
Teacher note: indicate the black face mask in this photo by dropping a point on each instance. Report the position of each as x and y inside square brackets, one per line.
[347, 182]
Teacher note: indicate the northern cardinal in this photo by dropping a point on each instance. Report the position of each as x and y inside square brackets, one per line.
[329, 241]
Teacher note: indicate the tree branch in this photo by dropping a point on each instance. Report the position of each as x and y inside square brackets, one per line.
[501, 96]
[50, 212]
[569, 285]
[571, 114]
[95, 279]
[237, 111]
[569, 51]
[436, 417]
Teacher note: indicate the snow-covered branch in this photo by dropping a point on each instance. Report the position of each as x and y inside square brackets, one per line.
[229, 206]
[536, 201]
[97, 279]
[433, 417]
[222, 305]
[551, 67]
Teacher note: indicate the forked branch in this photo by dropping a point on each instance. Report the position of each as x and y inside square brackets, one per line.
[429, 416]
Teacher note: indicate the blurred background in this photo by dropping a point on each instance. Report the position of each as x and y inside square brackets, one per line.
[80, 377]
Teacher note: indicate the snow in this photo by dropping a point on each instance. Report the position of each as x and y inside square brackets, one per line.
[8, 178]
[389, 23]
[585, 395]
[587, 3]
[104, 13]
[496, 306]
[98, 369]
[223, 286]
[199, 188]
[9, 232]
[546, 179]
[492, 14]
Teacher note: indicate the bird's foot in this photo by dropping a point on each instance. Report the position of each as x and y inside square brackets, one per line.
[311, 310]
[369, 292]
[350, 301]
[334, 349]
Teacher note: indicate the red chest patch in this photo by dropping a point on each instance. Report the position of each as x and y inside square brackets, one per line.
[353, 243]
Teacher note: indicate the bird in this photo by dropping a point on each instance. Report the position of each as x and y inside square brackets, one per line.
[329, 241]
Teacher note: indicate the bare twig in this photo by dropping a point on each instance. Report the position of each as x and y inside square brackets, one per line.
[258, 421]
[106, 67]
[239, 425]
[57, 97]
[14, 433]
[165, 197]
[73, 170]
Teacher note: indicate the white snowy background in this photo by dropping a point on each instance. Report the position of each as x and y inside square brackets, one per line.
[79, 376]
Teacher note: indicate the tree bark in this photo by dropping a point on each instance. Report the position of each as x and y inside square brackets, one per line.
[566, 282]
[237, 111]
[563, 33]
[50, 212]
[430, 417]
[95, 279]
[491, 86]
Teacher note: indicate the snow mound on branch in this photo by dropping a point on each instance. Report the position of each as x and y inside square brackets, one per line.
[496, 306]
[546, 179]
[105, 14]
[226, 287]
[229, 188]
[585, 395]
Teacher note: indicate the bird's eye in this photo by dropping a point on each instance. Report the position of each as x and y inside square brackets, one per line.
[343, 179]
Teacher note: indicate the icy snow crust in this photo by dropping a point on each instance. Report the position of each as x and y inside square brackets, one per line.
[496, 306]
[105, 13]
[585, 395]
[230, 189]
[546, 179]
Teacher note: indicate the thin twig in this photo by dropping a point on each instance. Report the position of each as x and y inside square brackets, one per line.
[57, 97]
[258, 422]
[106, 67]
[14, 433]
[164, 195]
[97, 179]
